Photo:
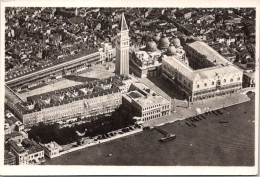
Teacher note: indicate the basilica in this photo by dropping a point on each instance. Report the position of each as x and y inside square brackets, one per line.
[193, 68]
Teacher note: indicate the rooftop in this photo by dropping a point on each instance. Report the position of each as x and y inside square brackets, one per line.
[8, 155]
[211, 55]
[67, 95]
[17, 147]
[144, 96]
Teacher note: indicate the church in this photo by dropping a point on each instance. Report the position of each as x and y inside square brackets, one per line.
[193, 68]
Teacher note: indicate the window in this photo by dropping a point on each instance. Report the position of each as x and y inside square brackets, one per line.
[205, 84]
[231, 80]
[225, 80]
[212, 83]
[198, 86]
[238, 78]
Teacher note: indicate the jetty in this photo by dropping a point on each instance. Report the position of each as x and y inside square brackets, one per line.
[167, 136]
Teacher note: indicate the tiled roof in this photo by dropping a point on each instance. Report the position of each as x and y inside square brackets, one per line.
[8, 155]
[211, 55]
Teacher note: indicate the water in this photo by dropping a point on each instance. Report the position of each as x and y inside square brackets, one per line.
[210, 143]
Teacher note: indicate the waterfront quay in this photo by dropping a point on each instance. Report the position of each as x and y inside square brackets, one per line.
[210, 143]
[182, 111]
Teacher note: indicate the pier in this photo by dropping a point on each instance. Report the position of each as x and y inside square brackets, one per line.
[161, 131]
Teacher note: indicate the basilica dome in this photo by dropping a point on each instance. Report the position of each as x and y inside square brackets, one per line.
[164, 42]
[171, 50]
[176, 42]
[156, 38]
[151, 46]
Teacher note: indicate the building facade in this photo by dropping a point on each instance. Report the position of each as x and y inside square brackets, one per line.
[9, 158]
[35, 151]
[19, 151]
[122, 49]
[52, 149]
[37, 76]
[145, 62]
[207, 74]
[86, 100]
[147, 104]
[107, 52]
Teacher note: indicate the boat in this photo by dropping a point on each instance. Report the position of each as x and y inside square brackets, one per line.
[187, 124]
[214, 112]
[191, 120]
[219, 112]
[109, 155]
[223, 121]
[203, 116]
[193, 125]
[168, 137]
[198, 117]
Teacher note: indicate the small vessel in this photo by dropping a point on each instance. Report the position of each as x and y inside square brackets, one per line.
[168, 137]
[219, 112]
[187, 124]
[223, 121]
[203, 116]
[109, 155]
[215, 113]
[198, 117]
[193, 125]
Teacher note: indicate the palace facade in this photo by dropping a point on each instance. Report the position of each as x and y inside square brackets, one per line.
[203, 73]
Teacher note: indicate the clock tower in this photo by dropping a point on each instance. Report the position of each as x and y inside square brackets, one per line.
[122, 49]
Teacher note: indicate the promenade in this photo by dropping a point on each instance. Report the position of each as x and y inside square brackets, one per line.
[180, 109]
[90, 142]
[210, 143]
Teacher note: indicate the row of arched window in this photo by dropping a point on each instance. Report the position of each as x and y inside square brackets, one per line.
[212, 83]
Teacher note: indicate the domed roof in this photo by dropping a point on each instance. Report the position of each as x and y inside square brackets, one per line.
[151, 46]
[156, 38]
[164, 42]
[171, 50]
[176, 42]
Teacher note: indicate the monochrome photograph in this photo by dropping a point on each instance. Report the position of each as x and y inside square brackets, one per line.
[129, 86]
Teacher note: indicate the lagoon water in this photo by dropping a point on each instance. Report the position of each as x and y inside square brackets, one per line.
[210, 143]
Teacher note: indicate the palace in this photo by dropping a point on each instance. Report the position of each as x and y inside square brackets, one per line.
[203, 73]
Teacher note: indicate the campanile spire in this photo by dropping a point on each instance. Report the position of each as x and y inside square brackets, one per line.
[122, 49]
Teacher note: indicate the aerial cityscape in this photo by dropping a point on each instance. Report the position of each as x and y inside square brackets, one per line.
[130, 86]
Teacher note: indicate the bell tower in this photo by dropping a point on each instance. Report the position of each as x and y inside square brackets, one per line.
[122, 49]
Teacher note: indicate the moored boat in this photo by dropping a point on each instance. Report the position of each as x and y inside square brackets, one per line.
[168, 137]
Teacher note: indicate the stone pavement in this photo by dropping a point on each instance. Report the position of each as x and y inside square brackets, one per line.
[98, 71]
[198, 107]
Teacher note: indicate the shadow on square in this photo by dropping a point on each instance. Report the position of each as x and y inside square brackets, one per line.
[79, 78]
[167, 87]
